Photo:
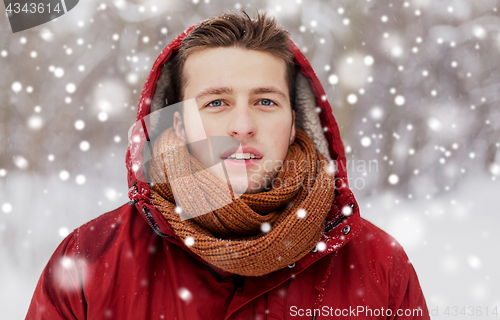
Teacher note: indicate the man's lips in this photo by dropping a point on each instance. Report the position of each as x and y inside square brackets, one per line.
[242, 164]
[250, 150]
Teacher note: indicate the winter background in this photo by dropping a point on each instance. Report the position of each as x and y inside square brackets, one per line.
[414, 85]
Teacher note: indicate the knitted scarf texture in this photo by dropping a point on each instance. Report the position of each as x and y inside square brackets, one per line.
[252, 234]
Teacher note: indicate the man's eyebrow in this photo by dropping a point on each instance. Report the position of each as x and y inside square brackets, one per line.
[269, 90]
[214, 91]
[228, 90]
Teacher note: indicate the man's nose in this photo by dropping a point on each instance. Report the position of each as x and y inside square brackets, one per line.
[242, 124]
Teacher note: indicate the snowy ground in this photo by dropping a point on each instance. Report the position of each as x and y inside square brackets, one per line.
[451, 240]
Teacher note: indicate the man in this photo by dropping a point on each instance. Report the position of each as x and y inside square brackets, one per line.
[236, 211]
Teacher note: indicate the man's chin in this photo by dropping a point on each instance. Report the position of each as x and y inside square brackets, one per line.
[241, 187]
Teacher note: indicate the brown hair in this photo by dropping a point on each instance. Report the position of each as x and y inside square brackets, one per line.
[232, 30]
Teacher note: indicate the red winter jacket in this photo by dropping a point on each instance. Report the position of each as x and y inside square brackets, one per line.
[129, 264]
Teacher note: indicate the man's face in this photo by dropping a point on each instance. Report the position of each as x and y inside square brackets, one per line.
[242, 94]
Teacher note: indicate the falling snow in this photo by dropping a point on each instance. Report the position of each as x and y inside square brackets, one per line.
[321, 246]
[366, 141]
[59, 72]
[333, 79]
[189, 241]
[7, 207]
[352, 98]
[35, 122]
[413, 86]
[70, 88]
[185, 294]
[64, 175]
[21, 162]
[301, 213]
[63, 232]
[79, 124]
[17, 87]
[84, 145]
[80, 179]
[393, 179]
[265, 227]
[111, 194]
[346, 211]
[399, 100]
[66, 263]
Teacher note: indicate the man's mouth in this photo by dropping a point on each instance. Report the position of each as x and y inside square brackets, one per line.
[242, 156]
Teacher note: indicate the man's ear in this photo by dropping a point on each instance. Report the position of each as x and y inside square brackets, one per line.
[179, 126]
[292, 133]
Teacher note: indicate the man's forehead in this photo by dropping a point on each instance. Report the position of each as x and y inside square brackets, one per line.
[225, 60]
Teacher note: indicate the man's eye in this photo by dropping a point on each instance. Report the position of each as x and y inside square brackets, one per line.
[267, 102]
[215, 103]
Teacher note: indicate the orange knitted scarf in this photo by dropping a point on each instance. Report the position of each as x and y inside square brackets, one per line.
[232, 236]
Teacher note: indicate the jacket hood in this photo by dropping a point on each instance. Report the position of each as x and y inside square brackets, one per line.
[313, 115]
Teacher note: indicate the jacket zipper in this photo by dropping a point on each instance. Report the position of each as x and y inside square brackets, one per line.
[153, 223]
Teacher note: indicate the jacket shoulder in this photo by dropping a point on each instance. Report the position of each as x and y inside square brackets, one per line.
[60, 290]
[376, 244]
[110, 230]
[388, 262]
[115, 216]
[381, 252]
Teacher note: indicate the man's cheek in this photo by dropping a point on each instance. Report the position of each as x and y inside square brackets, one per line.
[278, 165]
[268, 165]
[256, 168]
[193, 124]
